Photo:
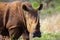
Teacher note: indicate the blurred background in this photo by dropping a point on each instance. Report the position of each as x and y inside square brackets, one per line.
[49, 18]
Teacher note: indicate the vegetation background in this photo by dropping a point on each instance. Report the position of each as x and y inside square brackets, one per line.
[49, 18]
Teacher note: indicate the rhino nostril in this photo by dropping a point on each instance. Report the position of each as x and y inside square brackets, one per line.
[37, 34]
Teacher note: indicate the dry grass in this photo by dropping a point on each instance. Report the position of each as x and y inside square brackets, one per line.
[51, 23]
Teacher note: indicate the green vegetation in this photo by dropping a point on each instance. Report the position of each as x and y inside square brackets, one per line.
[53, 6]
[35, 5]
[12, 37]
[48, 36]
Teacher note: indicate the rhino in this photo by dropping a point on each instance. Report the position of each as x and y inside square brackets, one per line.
[19, 19]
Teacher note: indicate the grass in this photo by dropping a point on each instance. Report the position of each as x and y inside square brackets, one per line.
[48, 36]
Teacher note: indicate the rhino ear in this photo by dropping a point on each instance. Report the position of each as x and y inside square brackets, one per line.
[24, 7]
[40, 6]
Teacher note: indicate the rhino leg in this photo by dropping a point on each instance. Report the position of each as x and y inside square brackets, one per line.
[25, 35]
[15, 33]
